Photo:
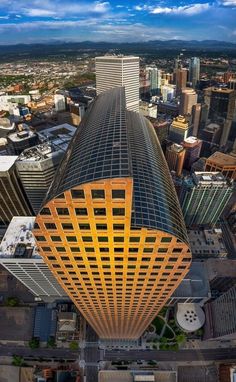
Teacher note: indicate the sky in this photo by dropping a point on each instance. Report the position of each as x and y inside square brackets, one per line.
[33, 21]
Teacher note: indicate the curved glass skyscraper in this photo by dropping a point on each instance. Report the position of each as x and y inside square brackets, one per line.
[111, 228]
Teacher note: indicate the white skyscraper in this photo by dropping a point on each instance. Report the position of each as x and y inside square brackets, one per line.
[116, 71]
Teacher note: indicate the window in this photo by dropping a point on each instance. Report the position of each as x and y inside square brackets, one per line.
[148, 250]
[84, 226]
[55, 238]
[45, 211]
[60, 249]
[56, 266]
[102, 239]
[101, 226]
[173, 259]
[62, 211]
[91, 258]
[40, 238]
[71, 238]
[99, 211]
[133, 250]
[87, 239]
[118, 211]
[162, 250]
[67, 226]
[118, 239]
[36, 226]
[74, 249]
[51, 258]
[81, 211]
[118, 227]
[134, 239]
[98, 194]
[78, 258]
[46, 249]
[77, 194]
[50, 226]
[118, 194]
[65, 258]
[118, 250]
[166, 239]
[177, 250]
[89, 249]
[104, 249]
[150, 240]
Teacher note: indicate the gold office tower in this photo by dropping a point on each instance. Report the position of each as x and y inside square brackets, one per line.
[111, 229]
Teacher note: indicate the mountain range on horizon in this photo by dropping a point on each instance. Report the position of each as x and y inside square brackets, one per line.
[163, 43]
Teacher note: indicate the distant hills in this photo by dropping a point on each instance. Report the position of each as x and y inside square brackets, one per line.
[154, 47]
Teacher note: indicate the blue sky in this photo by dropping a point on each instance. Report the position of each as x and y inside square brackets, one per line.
[32, 21]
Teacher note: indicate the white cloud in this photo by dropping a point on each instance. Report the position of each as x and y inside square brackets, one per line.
[188, 10]
[51, 8]
[228, 3]
[95, 29]
[37, 12]
[4, 17]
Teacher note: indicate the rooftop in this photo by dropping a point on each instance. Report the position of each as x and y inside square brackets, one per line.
[175, 147]
[190, 316]
[22, 133]
[6, 162]
[5, 123]
[208, 177]
[132, 376]
[18, 240]
[220, 90]
[127, 143]
[195, 283]
[55, 140]
[117, 57]
[220, 268]
[205, 243]
[191, 141]
[222, 159]
[180, 122]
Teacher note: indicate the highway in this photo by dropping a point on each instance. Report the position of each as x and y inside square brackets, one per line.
[172, 356]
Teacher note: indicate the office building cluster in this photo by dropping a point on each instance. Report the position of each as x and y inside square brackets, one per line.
[123, 202]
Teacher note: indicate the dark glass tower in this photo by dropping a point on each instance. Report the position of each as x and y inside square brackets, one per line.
[111, 228]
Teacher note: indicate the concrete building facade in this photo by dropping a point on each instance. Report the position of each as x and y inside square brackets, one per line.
[116, 71]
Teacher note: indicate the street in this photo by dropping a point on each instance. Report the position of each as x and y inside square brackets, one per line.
[172, 356]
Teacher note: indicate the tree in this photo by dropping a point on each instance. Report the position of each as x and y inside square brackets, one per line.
[51, 342]
[12, 301]
[74, 345]
[17, 360]
[163, 340]
[180, 338]
[34, 343]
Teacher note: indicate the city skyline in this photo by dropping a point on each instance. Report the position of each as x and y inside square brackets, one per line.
[34, 21]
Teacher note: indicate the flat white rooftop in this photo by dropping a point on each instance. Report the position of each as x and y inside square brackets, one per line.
[19, 240]
[190, 317]
[6, 162]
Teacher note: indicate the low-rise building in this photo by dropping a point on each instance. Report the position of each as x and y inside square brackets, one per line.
[19, 255]
[207, 243]
[194, 288]
[137, 376]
